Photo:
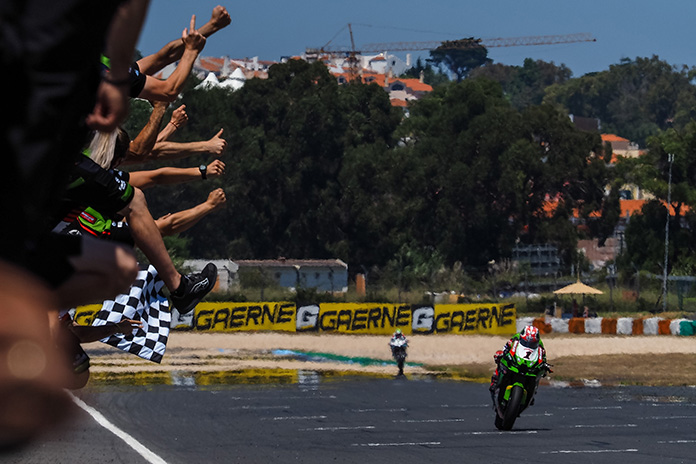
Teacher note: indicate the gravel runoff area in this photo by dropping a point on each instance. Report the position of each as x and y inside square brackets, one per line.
[645, 360]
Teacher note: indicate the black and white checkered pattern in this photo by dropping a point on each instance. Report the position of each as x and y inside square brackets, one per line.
[144, 303]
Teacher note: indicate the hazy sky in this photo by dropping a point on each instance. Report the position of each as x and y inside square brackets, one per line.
[270, 29]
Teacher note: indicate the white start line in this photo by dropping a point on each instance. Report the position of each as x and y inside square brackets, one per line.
[148, 455]
[630, 450]
[424, 443]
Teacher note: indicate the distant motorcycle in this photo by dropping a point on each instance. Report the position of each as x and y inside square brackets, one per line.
[520, 370]
[398, 348]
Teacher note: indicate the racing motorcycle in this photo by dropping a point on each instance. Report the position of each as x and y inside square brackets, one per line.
[519, 371]
[398, 348]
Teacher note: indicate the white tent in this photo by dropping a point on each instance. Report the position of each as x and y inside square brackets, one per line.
[235, 81]
[210, 81]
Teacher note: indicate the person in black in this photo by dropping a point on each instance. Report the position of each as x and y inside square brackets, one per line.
[108, 192]
[51, 51]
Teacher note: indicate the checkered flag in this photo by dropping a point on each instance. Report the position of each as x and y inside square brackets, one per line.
[144, 303]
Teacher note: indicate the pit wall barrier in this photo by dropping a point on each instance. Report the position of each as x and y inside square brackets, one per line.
[611, 326]
[350, 318]
[383, 319]
[356, 318]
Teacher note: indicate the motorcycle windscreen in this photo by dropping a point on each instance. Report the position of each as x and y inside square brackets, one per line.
[527, 354]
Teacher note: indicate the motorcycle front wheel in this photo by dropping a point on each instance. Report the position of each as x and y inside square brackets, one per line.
[498, 422]
[512, 408]
[400, 358]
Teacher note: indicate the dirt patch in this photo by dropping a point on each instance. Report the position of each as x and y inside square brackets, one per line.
[647, 360]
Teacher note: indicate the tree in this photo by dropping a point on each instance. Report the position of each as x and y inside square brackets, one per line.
[484, 172]
[645, 234]
[634, 98]
[368, 211]
[645, 239]
[303, 161]
[460, 57]
[526, 85]
[431, 76]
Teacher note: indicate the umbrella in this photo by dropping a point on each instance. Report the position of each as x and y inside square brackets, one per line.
[578, 288]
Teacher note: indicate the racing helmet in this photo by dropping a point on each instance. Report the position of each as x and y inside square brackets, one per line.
[529, 337]
[397, 332]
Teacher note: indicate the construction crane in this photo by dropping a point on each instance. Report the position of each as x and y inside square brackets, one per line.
[453, 44]
[352, 54]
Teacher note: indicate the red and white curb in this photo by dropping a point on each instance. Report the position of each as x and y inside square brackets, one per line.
[613, 326]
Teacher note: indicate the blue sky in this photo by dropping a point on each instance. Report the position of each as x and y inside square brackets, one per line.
[271, 29]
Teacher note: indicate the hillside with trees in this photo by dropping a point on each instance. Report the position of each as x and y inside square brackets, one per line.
[321, 170]
[316, 169]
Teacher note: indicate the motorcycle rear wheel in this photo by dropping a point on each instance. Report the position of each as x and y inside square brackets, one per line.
[512, 408]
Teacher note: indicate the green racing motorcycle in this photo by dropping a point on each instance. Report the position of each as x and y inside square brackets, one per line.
[520, 369]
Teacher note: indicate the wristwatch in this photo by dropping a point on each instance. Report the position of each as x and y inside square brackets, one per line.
[204, 169]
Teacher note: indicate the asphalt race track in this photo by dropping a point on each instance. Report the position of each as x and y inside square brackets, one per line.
[327, 418]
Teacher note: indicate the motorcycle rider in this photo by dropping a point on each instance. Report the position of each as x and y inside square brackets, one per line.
[529, 337]
[398, 342]
[398, 335]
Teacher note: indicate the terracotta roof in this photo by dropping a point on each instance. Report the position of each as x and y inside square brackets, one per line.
[628, 208]
[398, 102]
[213, 64]
[367, 77]
[631, 207]
[414, 84]
[613, 138]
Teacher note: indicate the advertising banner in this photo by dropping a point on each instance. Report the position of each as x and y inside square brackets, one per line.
[363, 318]
[496, 319]
[350, 318]
[236, 317]
[84, 315]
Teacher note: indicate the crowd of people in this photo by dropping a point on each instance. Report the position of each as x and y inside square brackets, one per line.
[74, 218]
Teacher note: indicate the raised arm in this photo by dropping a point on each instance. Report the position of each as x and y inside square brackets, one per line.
[173, 51]
[178, 119]
[142, 145]
[164, 176]
[111, 107]
[175, 223]
[93, 333]
[176, 150]
[168, 89]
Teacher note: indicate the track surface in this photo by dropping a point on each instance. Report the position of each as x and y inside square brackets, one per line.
[372, 420]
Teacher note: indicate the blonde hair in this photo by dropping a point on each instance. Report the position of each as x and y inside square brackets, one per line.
[104, 145]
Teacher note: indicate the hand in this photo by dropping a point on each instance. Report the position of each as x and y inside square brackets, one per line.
[217, 144]
[216, 168]
[127, 326]
[217, 198]
[193, 40]
[179, 116]
[220, 18]
[110, 109]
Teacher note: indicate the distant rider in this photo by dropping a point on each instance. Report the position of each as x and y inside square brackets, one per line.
[398, 335]
[398, 342]
[529, 337]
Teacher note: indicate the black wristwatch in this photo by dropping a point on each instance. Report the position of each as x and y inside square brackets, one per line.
[204, 169]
